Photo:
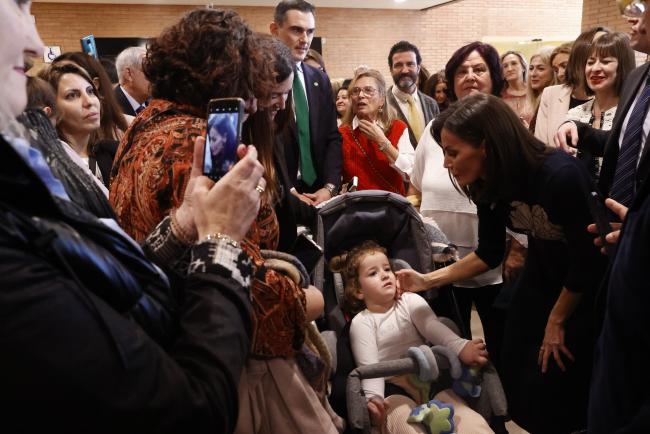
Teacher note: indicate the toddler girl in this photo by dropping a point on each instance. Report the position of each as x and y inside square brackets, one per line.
[386, 326]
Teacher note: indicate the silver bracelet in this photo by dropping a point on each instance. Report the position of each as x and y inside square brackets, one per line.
[223, 237]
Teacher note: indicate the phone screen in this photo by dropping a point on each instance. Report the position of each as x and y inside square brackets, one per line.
[223, 136]
[88, 46]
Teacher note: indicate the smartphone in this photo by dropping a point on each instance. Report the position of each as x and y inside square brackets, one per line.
[88, 46]
[601, 217]
[307, 251]
[223, 136]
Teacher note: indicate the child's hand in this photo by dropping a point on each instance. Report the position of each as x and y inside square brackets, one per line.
[378, 409]
[474, 353]
[398, 290]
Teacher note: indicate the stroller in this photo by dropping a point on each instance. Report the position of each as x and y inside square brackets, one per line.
[392, 222]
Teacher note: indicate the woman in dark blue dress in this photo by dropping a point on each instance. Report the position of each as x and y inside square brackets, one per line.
[516, 181]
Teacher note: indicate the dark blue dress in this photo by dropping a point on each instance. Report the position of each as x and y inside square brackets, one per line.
[552, 209]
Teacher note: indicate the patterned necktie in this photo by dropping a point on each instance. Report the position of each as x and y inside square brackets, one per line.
[414, 117]
[307, 170]
[628, 155]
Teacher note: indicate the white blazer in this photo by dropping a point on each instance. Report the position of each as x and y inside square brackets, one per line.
[553, 108]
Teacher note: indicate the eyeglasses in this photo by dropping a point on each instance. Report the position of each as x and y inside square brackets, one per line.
[631, 8]
[367, 91]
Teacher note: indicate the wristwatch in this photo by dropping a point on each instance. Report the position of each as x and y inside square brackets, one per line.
[331, 188]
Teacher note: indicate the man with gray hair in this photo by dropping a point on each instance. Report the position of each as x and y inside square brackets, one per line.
[133, 91]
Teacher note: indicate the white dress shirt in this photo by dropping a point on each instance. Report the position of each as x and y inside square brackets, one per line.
[135, 104]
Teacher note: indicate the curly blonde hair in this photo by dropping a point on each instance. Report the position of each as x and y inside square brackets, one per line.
[348, 265]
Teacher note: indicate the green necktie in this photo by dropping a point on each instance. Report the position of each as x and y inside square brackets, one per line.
[304, 139]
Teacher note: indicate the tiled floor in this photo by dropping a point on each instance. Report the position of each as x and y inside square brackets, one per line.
[477, 331]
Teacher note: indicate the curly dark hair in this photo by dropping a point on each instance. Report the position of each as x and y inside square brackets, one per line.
[209, 53]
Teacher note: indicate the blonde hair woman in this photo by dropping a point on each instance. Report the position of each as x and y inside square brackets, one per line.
[376, 146]
[540, 76]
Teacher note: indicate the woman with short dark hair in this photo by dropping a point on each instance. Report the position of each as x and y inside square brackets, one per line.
[475, 67]
[610, 61]
[515, 180]
[556, 101]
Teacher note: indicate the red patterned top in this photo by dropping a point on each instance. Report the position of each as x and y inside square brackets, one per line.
[372, 167]
[149, 181]
[152, 165]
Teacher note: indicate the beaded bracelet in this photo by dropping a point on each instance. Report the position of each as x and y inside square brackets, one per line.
[223, 237]
[178, 232]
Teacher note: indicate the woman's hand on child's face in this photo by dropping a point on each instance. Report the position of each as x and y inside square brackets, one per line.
[378, 409]
[474, 353]
[411, 280]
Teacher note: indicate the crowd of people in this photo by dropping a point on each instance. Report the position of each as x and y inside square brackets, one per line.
[139, 295]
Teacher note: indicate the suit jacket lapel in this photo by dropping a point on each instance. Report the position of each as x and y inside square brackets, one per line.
[426, 109]
[626, 100]
[312, 101]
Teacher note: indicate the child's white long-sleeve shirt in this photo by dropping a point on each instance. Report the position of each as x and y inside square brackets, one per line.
[378, 337]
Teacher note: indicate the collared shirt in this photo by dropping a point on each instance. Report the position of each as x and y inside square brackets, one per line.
[646, 123]
[135, 104]
[405, 152]
[402, 101]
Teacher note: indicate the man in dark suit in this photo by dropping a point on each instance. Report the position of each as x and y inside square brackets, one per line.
[619, 401]
[314, 158]
[134, 89]
[411, 106]
[608, 144]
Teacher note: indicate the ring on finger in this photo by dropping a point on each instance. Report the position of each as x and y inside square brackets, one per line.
[259, 189]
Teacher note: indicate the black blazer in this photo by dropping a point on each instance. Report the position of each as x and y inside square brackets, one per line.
[324, 132]
[290, 210]
[605, 143]
[127, 108]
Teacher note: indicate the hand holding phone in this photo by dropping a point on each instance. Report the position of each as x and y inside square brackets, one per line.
[225, 117]
[88, 46]
[601, 218]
